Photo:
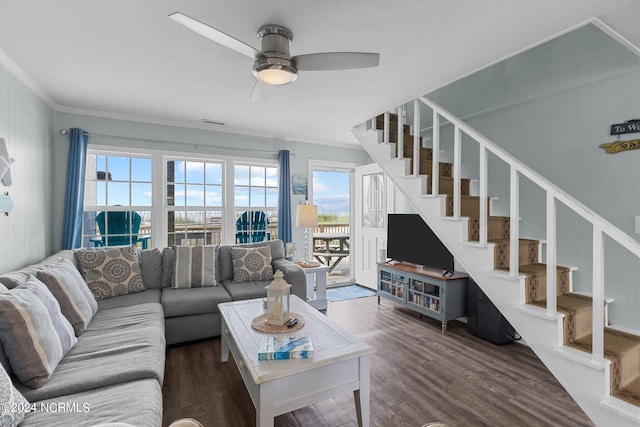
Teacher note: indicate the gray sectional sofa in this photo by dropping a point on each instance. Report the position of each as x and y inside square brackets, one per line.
[114, 373]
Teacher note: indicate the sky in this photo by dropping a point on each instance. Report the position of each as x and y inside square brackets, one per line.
[331, 192]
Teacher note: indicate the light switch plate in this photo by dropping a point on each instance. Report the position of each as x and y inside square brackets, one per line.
[637, 225]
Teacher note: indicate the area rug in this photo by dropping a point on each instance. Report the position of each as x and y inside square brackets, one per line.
[348, 292]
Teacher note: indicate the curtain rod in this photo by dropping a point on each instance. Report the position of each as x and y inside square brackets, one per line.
[131, 138]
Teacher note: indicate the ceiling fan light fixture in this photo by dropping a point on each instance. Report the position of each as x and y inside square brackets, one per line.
[275, 71]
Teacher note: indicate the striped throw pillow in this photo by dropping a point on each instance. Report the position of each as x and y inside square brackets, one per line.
[76, 301]
[194, 267]
[34, 333]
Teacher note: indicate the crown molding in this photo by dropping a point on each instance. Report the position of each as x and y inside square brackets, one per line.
[203, 126]
[22, 76]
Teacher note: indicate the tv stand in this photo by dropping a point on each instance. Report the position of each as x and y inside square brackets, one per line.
[425, 290]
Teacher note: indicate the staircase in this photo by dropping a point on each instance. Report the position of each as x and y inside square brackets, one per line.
[598, 365]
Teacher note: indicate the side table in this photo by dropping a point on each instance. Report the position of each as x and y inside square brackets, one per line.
[317, 279]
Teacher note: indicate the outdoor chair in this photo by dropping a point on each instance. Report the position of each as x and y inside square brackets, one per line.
[119, 229]
[251, 227]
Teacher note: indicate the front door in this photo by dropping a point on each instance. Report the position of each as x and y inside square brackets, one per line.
[373, 194]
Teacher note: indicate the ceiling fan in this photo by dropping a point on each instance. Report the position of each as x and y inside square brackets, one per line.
[273, 64]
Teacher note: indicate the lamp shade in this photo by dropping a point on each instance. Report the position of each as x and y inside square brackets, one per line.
[307, 216]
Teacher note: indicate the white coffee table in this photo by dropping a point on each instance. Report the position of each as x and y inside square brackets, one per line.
[340, 362]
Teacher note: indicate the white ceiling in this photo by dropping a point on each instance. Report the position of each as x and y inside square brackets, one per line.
[126, 59]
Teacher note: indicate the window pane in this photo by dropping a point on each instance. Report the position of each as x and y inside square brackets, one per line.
[195, 195]
[213, 173]
[141, 194]
[195, 173]
[241, 197]
[101, 163]
[178, 171]
[101, 193]
[118, 167]
[141, 169]
[272, 197]
[257, 197]
[272, 177]
[257, 175]
[118, 193]
[241, 175]
[213, 195]
[180, 221]
[179, 196]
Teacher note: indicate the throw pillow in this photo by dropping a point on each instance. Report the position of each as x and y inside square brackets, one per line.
[111, 272]
[195, 267]
[74, 296]
[251, 263]
[34, 333]
[14, 406]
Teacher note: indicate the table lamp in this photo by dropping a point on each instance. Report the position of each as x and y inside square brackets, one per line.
[307, 217]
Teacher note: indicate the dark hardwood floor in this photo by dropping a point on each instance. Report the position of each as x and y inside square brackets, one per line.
[418, 376]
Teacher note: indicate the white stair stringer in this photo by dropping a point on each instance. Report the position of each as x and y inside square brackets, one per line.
[588, 383]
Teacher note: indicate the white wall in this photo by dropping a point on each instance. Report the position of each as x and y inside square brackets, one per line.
[551, 107]
[26, 123]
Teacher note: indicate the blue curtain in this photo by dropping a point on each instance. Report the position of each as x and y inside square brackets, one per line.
[284, 196]
[74, 198]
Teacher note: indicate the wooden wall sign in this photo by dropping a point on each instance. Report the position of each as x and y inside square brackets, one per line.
[629, 126]
[616, 147]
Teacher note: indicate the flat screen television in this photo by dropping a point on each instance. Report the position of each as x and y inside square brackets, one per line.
[410, 239]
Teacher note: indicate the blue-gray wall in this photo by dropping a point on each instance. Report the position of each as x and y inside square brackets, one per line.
[190, 141]
[551, 107]
[26, 123]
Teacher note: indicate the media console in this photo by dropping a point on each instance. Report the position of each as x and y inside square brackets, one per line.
[425, 290]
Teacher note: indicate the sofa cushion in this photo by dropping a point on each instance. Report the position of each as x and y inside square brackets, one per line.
[103, 359]
[111, 271]
[168, 260]
[150, 295]
[194, 267]
[34, 333]
[76, 301]
[246, 290]
[187, 302]
[14, 406]
[14, 279]
[128, 318]
[251, 264]
[225, 262]
[151, 268]
[137, 403]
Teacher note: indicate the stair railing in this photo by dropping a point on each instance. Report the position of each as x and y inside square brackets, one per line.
[600, 226]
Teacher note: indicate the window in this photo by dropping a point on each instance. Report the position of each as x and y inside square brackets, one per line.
[118, 194]
[195, 202]
[255, 192]
[373, 203]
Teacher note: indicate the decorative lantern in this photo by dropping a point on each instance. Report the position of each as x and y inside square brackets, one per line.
[278, 300]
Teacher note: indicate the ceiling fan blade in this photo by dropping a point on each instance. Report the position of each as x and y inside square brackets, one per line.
[260, 91]
[336, 61]
[216, 35]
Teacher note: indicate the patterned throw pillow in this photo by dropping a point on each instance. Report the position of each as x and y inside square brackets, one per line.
[251, 264]
[195, 267]
[14, 406]
[74, 296]
[34, 333]
[111, 272]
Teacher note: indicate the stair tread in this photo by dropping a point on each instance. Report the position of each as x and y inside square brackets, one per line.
[615, 342]
[521, 240]
[631, 392]
[569, 302]
[539, 269]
